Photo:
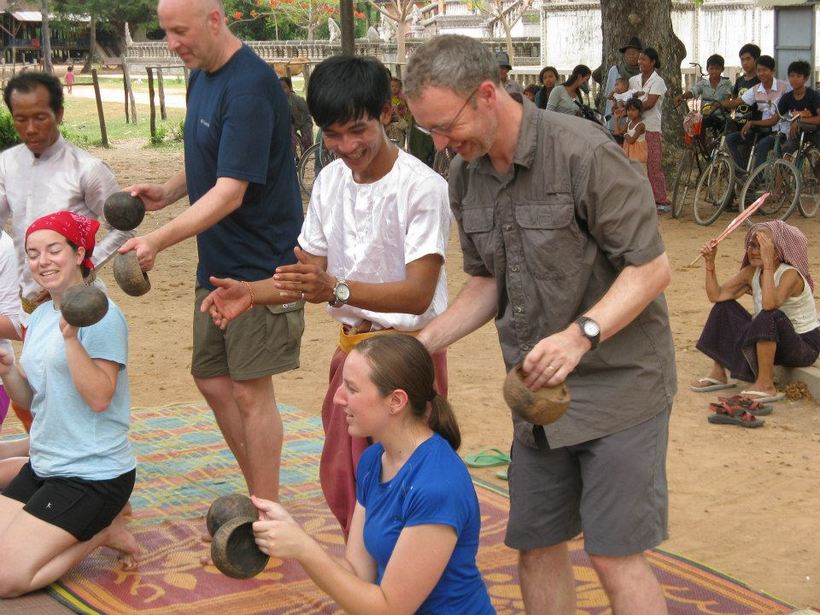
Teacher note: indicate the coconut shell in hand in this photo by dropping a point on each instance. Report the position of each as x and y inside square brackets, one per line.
[83, 305]
[129, 275]
[541, 407]
[123, 211]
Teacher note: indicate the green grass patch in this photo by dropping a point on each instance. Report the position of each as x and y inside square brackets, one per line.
[81, 124]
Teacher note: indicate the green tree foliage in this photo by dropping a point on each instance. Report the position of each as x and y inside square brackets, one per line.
[286, 19]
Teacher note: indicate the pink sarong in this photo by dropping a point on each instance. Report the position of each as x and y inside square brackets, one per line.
[654, 169]
[341, 451]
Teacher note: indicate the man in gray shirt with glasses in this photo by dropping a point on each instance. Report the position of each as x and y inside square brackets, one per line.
[561, 246]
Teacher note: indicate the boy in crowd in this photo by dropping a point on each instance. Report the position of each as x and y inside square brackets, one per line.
[748, 54]
[372, 247]
[765, 96]
[713, 89]
[299, 116]
[802, 101]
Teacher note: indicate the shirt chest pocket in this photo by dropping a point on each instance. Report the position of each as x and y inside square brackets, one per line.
[549, 239]
[478, 225]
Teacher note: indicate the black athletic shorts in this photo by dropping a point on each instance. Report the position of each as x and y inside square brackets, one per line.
[81, 507]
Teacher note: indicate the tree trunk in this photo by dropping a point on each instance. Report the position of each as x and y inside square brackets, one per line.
[92, 44]
[45, 39]
[401, 38]
[651, 21]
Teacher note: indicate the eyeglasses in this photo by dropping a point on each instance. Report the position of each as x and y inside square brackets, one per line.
[445, 130]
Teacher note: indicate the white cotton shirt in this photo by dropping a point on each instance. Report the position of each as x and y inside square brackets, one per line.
[9, 285]
[64, 177]
[654, 85]
[801, 310]
[766, 101]
[369, 232]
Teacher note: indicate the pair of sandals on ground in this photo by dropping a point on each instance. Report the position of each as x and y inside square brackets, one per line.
[742, 410]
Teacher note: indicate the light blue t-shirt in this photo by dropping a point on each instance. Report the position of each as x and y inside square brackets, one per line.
[67, 437]
[433, 487]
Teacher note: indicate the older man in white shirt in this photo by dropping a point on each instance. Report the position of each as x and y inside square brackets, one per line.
[45, 174]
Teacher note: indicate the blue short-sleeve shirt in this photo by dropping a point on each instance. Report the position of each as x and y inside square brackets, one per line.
[432, 487]
[238, 126]
[67, 437]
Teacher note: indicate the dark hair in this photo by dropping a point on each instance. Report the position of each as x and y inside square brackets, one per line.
[582, 70]
[767, 61]
[532, 88]
[801, 67]
[28, 82]
[345, 87]
[401, 362]
[397, 80]
[547, 69]
[750, 48]
[88, 274]
[715, 60]
[652, 54]
[634, 103]
[624, 79]
[287, 80]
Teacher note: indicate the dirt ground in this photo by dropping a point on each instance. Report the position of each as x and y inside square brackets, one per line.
[742, 501]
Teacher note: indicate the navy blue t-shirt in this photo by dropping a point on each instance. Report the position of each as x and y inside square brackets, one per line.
[433, 487]
[238, 125]
[789, 104]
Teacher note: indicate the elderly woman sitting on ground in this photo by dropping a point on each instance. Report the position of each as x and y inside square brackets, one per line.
[784, 329]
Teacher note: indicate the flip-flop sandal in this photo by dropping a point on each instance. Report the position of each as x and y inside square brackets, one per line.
[737, 402]
[710, 384]
[487, 458]
[763, 397]
[743, 419]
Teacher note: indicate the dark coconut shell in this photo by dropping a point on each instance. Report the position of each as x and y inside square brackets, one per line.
[123, 211]
[541, 407]
[129, 275]
[83, 305]
[234, 551]
[227, 507]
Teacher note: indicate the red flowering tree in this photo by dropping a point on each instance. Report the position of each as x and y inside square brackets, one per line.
[283, 15]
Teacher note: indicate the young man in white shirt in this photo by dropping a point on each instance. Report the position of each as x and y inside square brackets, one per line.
[372, 246]
[765, 96]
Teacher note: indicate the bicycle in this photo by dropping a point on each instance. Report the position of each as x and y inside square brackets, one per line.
[714, 188]
[311, 162]
[784, 180]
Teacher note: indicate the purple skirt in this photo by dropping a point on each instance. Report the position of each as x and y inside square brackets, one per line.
[731, 333]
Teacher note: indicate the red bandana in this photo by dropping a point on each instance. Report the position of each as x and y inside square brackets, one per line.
[78, 229]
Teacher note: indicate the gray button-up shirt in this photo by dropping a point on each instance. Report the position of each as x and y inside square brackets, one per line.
[555, 232]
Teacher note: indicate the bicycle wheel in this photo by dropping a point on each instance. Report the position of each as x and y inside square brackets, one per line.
[683, 181]
[714, 190]
[809, 185]
[311, 162]
[782, 181]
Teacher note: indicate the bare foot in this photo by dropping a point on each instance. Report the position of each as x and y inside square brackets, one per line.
[206, 560]
[127, 511]
[120, 539]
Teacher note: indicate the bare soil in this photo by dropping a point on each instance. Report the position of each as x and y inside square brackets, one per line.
[743, 501]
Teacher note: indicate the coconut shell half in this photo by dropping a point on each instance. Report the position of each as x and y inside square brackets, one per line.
[541, 407]
[129, 275]
[83, 306]
[234, 551]
[123, 211]
[227, 507]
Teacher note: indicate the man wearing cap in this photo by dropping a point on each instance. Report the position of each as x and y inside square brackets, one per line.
[504, 68]
[626, 68]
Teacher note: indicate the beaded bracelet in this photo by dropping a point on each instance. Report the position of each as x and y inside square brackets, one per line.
[250, 291]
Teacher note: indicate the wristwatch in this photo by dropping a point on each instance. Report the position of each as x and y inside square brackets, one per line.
[590, 330]
[341, 293]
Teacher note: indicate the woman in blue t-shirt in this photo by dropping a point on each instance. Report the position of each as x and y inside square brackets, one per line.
[415, 529]
[69, 498]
